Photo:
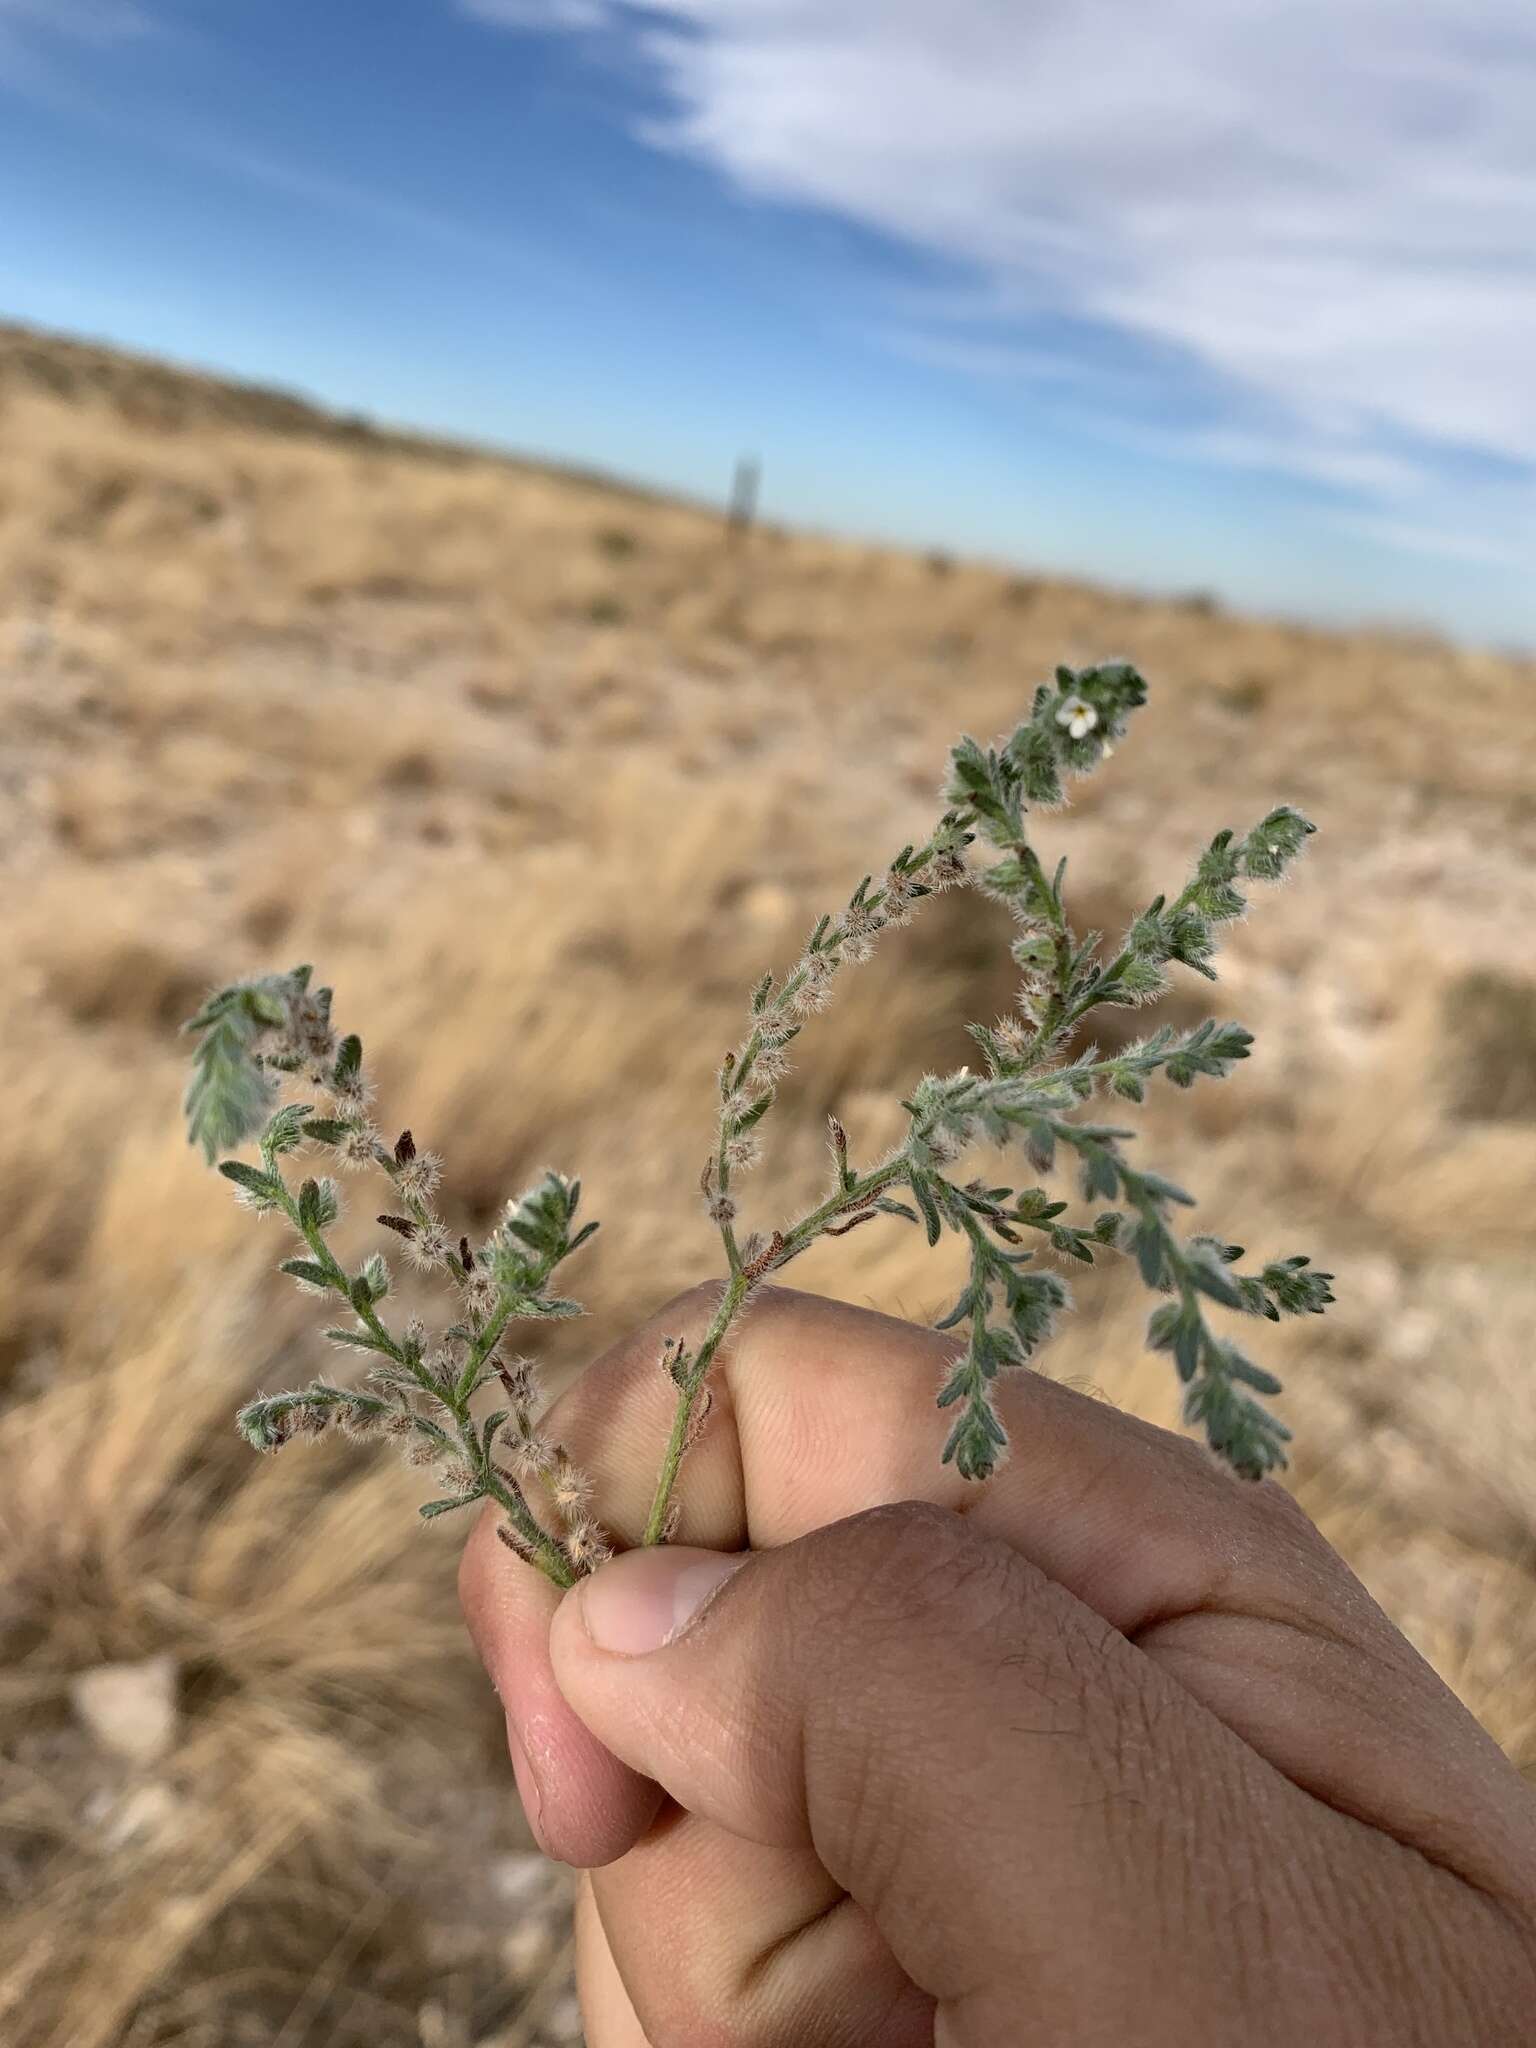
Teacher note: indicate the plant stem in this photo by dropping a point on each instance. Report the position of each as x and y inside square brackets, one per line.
[548, 1555]
[863, 1191]
[730, 1301]
[738, 1287]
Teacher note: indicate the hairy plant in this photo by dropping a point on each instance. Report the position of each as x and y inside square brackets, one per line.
[1035, 1081]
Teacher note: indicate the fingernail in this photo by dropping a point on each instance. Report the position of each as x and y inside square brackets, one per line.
[648, 1597]
[529, 1790]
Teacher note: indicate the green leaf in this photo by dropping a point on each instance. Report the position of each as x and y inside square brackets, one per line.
[1140, 980]
[265, 1187]
[228, 1096]
[359, 1340]
[1213, 1279]
[1296, 1287]
[976, 1436]
[319, 1205]
[1250, 1439]
[1274, 843]
[285, 1133]
[1161, 1325]
[753, 1114]
[963, 1307]
[1251, 1375]
[349, 1061]
[1211, 891]
[922, 1194]
[327, 1130]
[431, 1509]
[1150, 1246]
[1033, 756]
[308, 1272]
[1101, 1172]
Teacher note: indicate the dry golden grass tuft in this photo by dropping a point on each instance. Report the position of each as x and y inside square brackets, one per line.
[271, 690]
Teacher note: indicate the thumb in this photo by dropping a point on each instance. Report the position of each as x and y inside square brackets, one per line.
[976, 1757]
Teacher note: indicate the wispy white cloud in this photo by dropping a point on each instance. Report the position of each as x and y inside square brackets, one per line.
[87, 21]
[1513, 550]
[1320, 214]
[537, 14]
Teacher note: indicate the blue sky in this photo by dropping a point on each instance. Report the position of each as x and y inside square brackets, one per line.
[1225, 294]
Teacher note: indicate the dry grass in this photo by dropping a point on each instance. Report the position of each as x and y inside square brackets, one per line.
[543, 774]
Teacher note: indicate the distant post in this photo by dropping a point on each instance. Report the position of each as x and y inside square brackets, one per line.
[743, 506]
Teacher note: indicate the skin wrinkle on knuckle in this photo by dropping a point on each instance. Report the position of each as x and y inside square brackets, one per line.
[869, 1714]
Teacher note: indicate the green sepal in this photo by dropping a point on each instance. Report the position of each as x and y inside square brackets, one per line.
[431, 1509]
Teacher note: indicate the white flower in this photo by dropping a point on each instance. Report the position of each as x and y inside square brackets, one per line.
[1078, 717]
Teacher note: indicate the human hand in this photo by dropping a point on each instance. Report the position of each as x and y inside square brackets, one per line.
[1111, 1750]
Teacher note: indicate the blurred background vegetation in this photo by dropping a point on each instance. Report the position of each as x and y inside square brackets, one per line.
[543, 773]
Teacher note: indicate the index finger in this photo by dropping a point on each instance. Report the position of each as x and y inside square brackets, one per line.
[822, 1410]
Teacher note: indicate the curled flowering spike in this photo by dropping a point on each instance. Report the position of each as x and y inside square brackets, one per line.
[360, 1419]
[1077, 716]
[308, 1418]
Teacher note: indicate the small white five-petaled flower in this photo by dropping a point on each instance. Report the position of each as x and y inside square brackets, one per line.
[1079, 718]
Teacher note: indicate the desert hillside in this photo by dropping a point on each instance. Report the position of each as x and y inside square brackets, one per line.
[543, 773]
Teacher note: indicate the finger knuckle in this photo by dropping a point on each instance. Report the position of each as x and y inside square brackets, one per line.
[692, 1309]
[911, 1559]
